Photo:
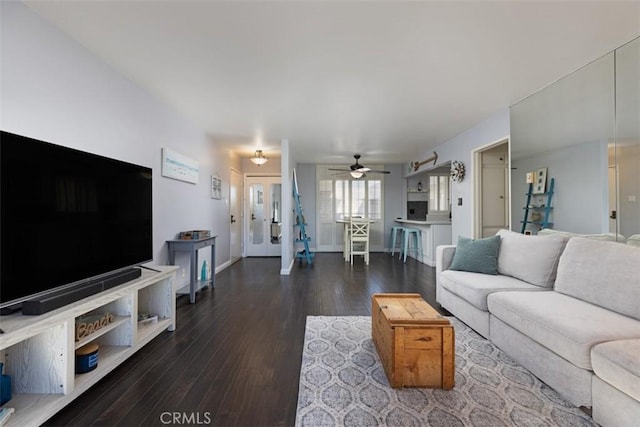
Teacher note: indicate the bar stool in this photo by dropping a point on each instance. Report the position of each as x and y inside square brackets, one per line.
[407, 234]
[394, 237]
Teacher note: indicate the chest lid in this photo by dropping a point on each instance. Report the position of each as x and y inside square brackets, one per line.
[407, 309]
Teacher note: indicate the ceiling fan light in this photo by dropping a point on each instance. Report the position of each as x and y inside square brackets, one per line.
[259, 158]
[357, 174]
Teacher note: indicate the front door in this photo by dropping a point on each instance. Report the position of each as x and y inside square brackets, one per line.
[263, 197]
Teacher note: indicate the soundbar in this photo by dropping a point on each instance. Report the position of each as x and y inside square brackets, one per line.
[63, 297]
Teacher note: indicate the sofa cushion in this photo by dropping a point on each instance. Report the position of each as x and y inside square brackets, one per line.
[603, 273]
[608, 237]
[565, 325]
[477, 255]
[475, 287]
[618, 363]
[533, 259]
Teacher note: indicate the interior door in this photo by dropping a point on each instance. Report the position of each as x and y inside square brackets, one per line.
[235, 212]
[494, 191]
[262, 216]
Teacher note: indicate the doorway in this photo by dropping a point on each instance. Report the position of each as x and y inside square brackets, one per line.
[235, 211]
[263, 197]
[492, 189]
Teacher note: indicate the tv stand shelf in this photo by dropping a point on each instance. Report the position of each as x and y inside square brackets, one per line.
[39, 351]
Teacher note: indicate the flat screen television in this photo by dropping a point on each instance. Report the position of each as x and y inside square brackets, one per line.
[67, 217]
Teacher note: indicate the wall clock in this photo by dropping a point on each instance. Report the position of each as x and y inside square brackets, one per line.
[457, 171]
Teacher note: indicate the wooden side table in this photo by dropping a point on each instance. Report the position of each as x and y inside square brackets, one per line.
[192, 246]
[415, 343]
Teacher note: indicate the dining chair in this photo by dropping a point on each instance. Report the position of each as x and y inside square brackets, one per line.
[359, 238]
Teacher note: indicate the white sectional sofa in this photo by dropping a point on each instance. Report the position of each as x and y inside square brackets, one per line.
[566, 308]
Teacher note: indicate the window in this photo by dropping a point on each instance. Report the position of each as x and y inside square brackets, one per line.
[340, 197]
[439, 193]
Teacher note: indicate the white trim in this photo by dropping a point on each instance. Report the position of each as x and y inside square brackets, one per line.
[223, 266]
[287, 271]
[476, 158]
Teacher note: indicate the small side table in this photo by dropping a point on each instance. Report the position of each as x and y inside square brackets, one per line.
[192, 247]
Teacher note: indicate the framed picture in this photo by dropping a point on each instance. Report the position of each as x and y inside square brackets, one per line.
[216, 187]
[540, 183]
[178, 166]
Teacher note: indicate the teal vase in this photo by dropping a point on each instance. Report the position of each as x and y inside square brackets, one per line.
[5, 386]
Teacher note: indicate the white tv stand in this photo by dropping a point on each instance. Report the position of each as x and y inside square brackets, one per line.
[39, 351]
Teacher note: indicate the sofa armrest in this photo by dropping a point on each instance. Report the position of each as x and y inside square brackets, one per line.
[444, 258]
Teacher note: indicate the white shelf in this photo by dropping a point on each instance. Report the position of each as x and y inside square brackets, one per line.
[39, 351]
[119, 320]
[148, 331]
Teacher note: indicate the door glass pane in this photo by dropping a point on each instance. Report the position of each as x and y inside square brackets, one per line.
[275, 193]
[256, 206]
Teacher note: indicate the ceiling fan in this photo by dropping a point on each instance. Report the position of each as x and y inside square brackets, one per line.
[357, 170]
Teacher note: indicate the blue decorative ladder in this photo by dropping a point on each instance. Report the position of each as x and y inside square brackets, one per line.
[546, 208]
[301, 224]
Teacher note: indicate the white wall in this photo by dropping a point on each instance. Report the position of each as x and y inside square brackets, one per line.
[492, 129]
[55, 90]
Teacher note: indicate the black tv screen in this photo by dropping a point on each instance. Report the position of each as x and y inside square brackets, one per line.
[67, 216]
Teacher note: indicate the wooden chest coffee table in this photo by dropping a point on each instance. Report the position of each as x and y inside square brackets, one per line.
[415, 342]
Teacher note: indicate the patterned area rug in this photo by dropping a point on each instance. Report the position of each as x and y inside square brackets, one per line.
[342, 383]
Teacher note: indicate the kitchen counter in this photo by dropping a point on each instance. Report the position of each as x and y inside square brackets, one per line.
[416, 222]
[434, 234]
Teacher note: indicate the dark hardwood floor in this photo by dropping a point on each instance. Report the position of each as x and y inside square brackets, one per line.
[234, 359]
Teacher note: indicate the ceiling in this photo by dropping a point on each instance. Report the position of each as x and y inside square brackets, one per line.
[387, 79]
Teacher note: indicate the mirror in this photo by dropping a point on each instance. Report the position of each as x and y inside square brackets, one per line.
[627, 150]
[584, 130]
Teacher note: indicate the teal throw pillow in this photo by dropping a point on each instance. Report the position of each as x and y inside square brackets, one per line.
[477, 255]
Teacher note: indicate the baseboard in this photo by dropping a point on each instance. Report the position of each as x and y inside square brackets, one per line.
[223, 266]
[287, 271]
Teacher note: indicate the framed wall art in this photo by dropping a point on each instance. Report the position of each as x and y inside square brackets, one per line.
[540, 183]
[178, 166]
[216, 187]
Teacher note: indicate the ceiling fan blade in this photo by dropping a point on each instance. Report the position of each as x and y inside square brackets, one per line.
[362, 169]
[341, 170]
[375, 171]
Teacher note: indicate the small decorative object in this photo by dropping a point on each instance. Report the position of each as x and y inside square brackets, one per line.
[419, 185]
[87, 358]
[87, 325]
[5, 414]
[194, 234]
[5, 386]
[416, 165]
[216, 187]
[203, 271]
[540, 183]
[530, 177]
[457, 171]
[144, 318]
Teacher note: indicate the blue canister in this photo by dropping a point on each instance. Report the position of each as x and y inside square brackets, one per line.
[87, 358]
[5, 386]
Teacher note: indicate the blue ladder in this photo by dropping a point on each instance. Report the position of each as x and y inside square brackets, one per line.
[546, 208]
[301, 224]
